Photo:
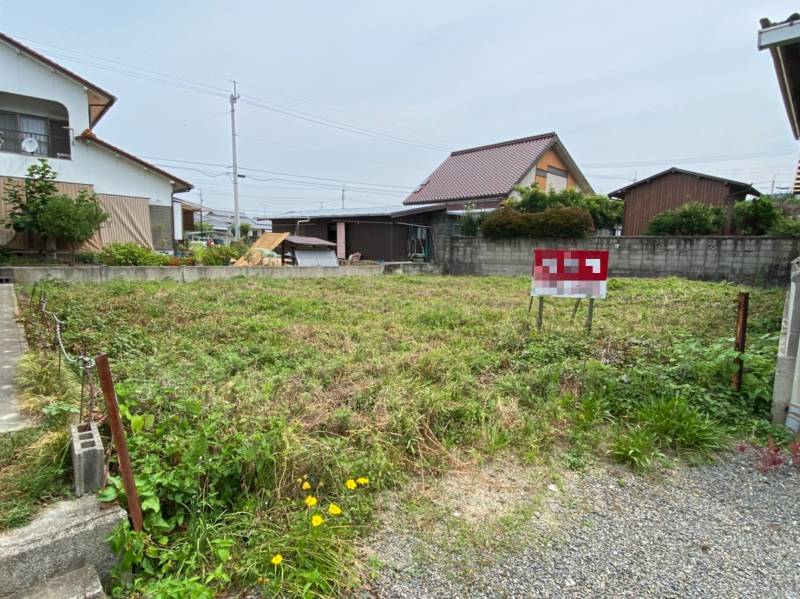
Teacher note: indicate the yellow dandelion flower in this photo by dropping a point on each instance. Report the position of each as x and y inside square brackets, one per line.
[334, 510]
[310, 501]
[362, 480]
[350, 484]
[277, 559]
[316, 520]
[306, 486]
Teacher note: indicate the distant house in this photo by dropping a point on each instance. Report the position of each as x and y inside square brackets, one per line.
[389, 233]
[671, 189]
[47, 111]
[221, 222]
[485, 176]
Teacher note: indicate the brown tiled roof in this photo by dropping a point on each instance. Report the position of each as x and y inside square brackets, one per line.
[483, 172]
[178, 185]
[96, 111]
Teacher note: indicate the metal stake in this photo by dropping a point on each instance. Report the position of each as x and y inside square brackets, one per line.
[575, 308]
[121, 444]
[741, 334]
[590, 315]
[540, 313]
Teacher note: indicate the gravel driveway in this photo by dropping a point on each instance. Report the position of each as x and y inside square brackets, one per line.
[720, 530]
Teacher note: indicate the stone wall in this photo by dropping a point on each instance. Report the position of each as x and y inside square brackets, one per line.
[751, 260]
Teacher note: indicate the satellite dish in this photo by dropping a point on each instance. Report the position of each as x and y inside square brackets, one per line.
[29, 145]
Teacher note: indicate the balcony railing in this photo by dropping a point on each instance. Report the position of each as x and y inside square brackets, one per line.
[34, 144]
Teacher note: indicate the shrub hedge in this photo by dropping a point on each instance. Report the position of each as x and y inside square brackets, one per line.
[507, 223]
[692, 218]
[124, 254]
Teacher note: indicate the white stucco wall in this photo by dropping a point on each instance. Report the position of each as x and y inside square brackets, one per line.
[90, 164]
[25, 76]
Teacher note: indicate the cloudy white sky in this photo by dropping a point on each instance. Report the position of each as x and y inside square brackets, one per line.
[379, 93]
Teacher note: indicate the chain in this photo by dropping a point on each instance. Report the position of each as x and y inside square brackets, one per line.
[84, 363]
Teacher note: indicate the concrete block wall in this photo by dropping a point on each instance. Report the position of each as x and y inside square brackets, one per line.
[751, 260]
[181, 274]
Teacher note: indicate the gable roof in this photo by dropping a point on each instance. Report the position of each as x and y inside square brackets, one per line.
[492, 171]
[736, 186]
[178, 184]
[99, 99]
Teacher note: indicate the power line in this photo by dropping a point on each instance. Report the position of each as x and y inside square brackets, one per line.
[280, 173]
[319, 120]
[226, 79]
[200, 87]
[698, 159]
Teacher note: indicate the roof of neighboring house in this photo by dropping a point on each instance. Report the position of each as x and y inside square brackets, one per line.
[178, 184]
[736, 186]
[99, 99]
[390, 211]
[492, 171]
[782, 39]
[221, 220]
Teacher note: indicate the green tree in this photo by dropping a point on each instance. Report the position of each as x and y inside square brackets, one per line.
[605, 212]
[756, 217]
[244, 229]
[692, 218]
[38, 208]
[470, 222]
[71, 220]
[27, 201]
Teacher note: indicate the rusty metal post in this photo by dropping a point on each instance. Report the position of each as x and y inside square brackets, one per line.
[120, 443]
[741, 334]
[590, 315]
[540, 313]
[575, 308]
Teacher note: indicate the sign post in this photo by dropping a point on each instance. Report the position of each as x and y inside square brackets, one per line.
[569, 273]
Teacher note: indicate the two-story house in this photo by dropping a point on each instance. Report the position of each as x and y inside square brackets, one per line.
[47, 111]
[485, 176]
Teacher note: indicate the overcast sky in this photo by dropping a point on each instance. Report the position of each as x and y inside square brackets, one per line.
[631, 88]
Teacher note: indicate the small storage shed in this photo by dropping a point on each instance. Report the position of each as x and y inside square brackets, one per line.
[671, 189]
[389, 233]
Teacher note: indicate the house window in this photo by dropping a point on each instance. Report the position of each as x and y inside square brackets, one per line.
[556, 181]
[34, 135]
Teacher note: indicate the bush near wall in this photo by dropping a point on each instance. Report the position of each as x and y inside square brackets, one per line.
[767, 216]
[692, 218]
[124, 254]
[508, 223]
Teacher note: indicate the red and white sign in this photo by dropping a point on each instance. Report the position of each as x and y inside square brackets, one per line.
[570, 273]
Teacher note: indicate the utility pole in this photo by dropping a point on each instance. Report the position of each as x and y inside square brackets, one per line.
[342, 195]
[236, 225]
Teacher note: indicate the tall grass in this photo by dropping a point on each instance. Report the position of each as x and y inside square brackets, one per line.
[238, 392]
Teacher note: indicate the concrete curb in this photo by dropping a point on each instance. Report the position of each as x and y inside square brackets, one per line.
[67, 536]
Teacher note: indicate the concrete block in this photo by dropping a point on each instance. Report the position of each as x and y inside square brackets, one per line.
[83, 583]
[88, 464]
[67, 536]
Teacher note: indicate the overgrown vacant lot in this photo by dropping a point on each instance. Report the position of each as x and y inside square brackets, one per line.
[245, 396]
